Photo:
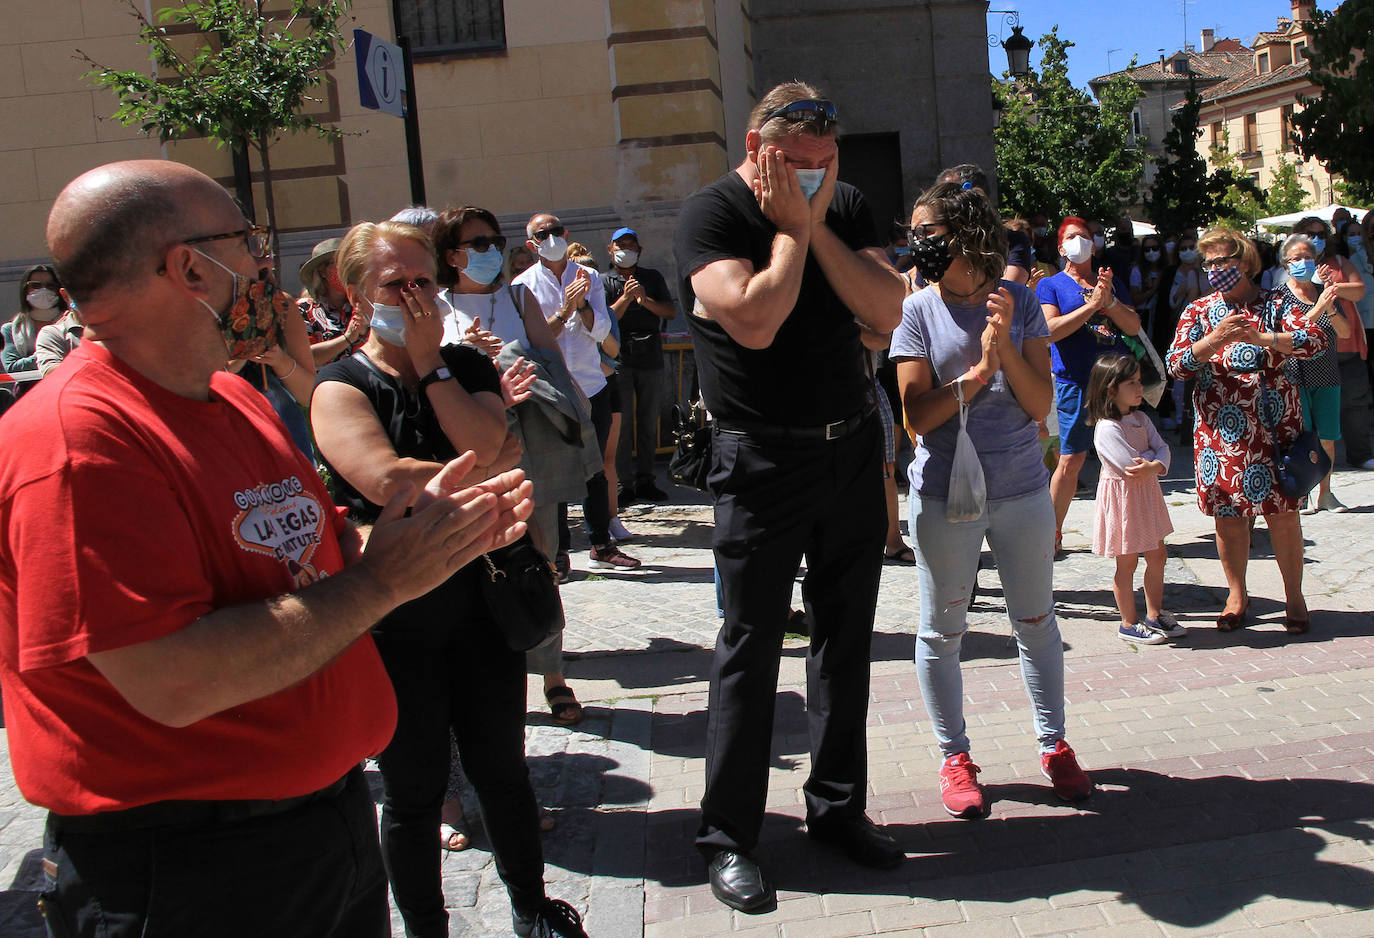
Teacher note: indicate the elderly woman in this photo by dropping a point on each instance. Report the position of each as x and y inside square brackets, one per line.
[1233, 341]
[329, 321]
[391, 414]
[975, 337]
[1318, 378]
[1087, 311]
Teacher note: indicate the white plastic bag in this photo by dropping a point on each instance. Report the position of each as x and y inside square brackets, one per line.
[968, 490]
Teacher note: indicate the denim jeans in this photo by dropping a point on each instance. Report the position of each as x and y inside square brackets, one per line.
[1020, 532]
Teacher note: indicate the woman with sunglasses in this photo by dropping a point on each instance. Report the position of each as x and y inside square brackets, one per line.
[488, 313]
[1233, 343]
[975, 338]
[40, 303]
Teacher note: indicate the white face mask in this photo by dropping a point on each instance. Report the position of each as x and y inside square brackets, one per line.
[42, 300]
[553, 248]
[1077, 249]
[1188, 255]
[1169, 246]
[1099, 241]
[625, 259]
[1152, 256]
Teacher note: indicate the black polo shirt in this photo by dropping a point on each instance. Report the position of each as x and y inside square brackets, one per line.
[813, 372]
[641, 345]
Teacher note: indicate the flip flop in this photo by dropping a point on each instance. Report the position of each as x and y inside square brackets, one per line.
[901, 555]
[563, 705]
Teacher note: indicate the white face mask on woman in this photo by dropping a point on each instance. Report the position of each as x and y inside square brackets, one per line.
[1077, 249]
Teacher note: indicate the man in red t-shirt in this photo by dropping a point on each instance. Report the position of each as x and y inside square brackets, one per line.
[188, 683]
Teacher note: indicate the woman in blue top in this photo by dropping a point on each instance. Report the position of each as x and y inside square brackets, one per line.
[975, 336]
[1087, 312]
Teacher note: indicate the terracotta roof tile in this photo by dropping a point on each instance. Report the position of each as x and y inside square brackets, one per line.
[1253, 81]
[1213, 65]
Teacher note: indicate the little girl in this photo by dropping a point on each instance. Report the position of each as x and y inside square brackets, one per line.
[1131, 516]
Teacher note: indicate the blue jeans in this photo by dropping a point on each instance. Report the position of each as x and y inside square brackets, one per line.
[1020, 532]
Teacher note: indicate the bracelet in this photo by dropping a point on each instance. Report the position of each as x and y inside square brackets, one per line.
[294, 365]
[977, 377]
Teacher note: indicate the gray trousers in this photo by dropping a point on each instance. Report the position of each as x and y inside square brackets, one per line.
[546, 657]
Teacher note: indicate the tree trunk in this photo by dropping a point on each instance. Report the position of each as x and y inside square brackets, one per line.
[269, 203]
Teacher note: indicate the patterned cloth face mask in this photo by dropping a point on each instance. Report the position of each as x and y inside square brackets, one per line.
[251, 323]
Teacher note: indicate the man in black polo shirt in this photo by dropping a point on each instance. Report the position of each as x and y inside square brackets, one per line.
[778, 261]
[638, 297]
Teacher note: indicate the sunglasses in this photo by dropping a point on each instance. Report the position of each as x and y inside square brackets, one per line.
[482, 242]
[40, 285]
[557, 231]
[257, 239]
[807, 110]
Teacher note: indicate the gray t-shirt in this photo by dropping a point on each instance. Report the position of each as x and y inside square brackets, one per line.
[948, 336]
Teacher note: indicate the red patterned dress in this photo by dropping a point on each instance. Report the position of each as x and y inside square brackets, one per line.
[1233, 449]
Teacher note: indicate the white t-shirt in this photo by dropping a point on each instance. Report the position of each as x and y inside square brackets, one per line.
[496, 311]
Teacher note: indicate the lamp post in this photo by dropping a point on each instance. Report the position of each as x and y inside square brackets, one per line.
[1017, 46]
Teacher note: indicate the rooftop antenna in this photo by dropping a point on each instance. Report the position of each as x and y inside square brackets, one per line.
[1184, 5]
[1109, 59]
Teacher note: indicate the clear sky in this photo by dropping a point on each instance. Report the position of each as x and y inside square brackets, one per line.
[1106, 34]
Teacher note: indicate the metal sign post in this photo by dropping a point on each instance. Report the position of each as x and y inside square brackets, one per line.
[386, 82]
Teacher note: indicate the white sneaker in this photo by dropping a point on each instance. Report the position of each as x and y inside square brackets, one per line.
[1329, 502]
[618, 530]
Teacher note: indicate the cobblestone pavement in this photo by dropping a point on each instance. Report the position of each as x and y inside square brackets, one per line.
[1233, 771]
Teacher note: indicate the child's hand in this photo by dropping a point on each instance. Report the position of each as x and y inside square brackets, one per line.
[1142, 469]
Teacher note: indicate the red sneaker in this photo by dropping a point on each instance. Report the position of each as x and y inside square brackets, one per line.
[1061, 767]
[959, 788]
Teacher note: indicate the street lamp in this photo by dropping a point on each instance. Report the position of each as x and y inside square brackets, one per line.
[997, 110]
[1017, 46]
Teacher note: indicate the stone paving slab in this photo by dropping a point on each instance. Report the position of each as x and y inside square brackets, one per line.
[1234, 769]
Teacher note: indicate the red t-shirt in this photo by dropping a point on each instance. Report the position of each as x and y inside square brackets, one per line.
[127, 513]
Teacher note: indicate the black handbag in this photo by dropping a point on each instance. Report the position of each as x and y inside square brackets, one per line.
[522, 594]
[1302, 464]
[691, 460]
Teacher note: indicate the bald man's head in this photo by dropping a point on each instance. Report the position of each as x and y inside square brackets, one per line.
[111, 224]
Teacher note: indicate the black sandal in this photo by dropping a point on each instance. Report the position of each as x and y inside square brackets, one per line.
[563, 705]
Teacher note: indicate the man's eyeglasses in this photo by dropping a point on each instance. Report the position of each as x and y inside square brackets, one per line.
[1217, 263]
[807, 110]
[257, 239]
[482, 242]
[557, 231]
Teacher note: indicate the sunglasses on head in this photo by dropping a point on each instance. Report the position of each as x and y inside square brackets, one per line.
[557, 231]
[807, 110]
[482, 242]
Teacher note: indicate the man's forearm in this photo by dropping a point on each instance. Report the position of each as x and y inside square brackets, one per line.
[872, 291]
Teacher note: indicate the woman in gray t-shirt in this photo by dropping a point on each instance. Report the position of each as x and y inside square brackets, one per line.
[974, 335]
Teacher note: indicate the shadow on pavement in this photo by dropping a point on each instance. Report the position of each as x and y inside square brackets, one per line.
[1013, 857]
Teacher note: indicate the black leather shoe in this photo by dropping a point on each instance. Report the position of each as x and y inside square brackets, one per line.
[862, 841]
[738, 882]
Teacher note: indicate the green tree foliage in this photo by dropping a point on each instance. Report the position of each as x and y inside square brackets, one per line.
[1183, 194]
[1286, 191]
[241, 78]
[1335, 127]
[1057, 151]
[1354, 194]
[1241, 203]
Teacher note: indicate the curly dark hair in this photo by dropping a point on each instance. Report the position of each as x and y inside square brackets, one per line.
[976, 233]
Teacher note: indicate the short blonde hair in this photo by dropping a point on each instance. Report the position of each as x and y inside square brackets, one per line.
[358, 246]
[1236, 243]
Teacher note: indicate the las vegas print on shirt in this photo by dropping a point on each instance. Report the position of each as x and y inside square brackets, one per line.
[284, 521]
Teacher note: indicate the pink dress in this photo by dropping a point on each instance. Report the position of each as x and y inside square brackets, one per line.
[1131, 515]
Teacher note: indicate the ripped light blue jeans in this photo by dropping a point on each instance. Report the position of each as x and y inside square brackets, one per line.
[1020, 532]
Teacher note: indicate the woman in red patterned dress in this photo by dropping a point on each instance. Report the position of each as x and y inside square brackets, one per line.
[1234, 342]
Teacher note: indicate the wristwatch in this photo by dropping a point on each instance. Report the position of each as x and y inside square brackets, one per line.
[438, 374]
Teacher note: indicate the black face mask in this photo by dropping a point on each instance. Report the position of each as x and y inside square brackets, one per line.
[931, 257]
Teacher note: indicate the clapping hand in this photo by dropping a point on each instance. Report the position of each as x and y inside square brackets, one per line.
[481, 339]
[516, 382]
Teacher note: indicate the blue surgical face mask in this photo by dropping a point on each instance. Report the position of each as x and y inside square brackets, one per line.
[810, 181]
[1354, 241]
[1303, 269]
[1318, 243]
[389, 322]
[484, 266]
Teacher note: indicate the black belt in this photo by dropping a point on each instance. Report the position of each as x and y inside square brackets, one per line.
[813, 434]
[189, 814]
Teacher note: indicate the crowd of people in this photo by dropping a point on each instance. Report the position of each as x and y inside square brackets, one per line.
[324, 533]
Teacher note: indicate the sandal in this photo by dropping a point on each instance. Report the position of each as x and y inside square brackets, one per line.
[563, 705]
[1231, 621]
[453, 830]
[902, 554]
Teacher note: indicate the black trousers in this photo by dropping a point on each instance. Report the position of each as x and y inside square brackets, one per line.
[1356, 399]
[641, 397]
[314, 870]
[773, 504]
[465, 678]
[596, 508]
